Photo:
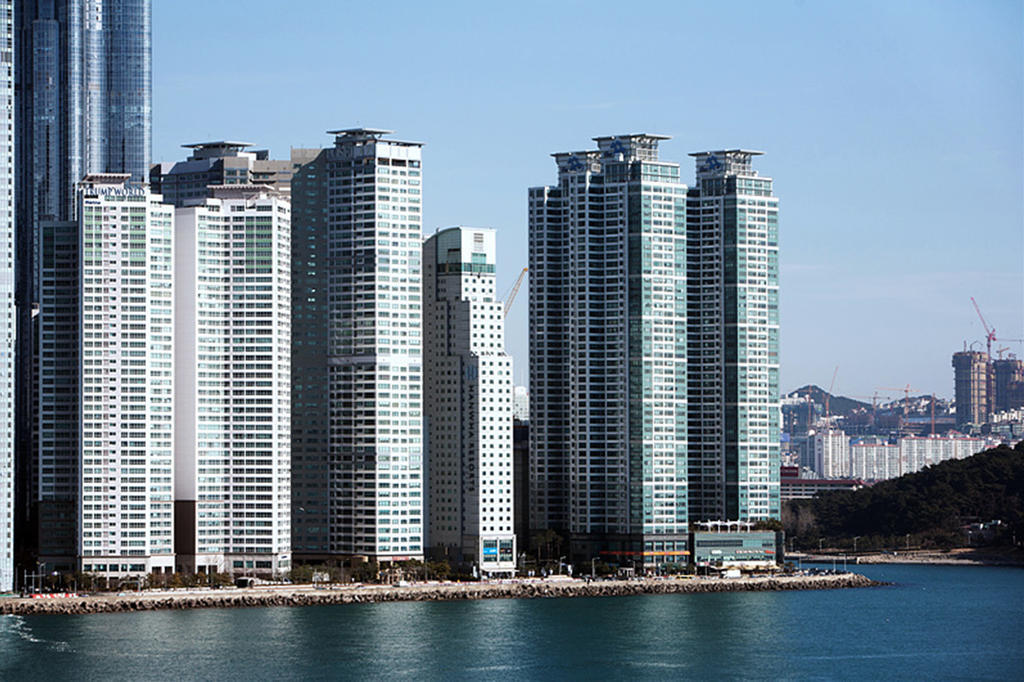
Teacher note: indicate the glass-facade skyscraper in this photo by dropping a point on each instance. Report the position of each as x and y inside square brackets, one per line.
[83, 96]
[608, 445]
[733, 302]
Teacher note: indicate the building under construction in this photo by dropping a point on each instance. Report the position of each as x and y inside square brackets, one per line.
[1008, 375]
[974, 383]
[984, 386]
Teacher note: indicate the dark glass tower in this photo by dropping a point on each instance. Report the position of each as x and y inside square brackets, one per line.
[83, 92]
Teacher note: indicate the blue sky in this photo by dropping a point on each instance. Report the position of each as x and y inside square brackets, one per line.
[894, 133]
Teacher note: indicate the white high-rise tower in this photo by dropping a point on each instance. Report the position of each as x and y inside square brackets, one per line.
[232, 438]
[127, 413]
[468, 404]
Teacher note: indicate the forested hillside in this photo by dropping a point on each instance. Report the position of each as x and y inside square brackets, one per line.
[931, 505]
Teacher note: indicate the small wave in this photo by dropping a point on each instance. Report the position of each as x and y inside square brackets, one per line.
[18, 626]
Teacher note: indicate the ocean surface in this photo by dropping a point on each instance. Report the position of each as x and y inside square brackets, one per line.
[935, 622]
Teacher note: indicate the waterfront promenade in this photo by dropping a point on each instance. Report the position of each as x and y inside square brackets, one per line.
[306, 595]
[953, 557]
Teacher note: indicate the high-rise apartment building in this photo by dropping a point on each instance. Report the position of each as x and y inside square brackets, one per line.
[973, 378]
[57, 464]
[357, 419]
[468, 408]
[7, 310]
[733, 311]
[608, 443]
[82, 92]
[127, 413]
[310, 394]
[232, 401]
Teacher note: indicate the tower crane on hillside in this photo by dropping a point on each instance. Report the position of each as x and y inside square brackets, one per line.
[874, 404]
[512, 294]
[906, 403]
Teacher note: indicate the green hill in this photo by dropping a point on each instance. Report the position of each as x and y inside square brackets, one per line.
[840, 406]
[931, 506]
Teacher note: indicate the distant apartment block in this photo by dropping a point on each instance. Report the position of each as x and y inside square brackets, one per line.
[469, 405]
[875, 461]
[232, 440]
[1008, 426]
[828, 453]
[918, 453]
[839, 457]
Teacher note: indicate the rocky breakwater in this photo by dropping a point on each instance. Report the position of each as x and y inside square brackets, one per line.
[527, 589]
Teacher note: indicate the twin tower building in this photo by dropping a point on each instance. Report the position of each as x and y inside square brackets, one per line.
[243, 363]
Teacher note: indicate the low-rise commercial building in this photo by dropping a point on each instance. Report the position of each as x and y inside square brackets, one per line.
[796, 488]
[721, 546]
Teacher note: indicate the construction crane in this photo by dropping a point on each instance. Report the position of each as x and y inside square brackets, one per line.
[874, 403]
[828, 395]
[511, 296]
[990, 334]
[906, 402]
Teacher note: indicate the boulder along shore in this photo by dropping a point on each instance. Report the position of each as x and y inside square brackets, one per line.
[308, 596]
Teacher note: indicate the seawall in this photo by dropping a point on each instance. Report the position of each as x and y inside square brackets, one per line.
[307, 596]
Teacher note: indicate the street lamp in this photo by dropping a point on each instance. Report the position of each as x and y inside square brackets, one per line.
[855, 537]
[820, 540]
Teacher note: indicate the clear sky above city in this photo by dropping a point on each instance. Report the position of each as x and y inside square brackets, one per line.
[894, 133]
